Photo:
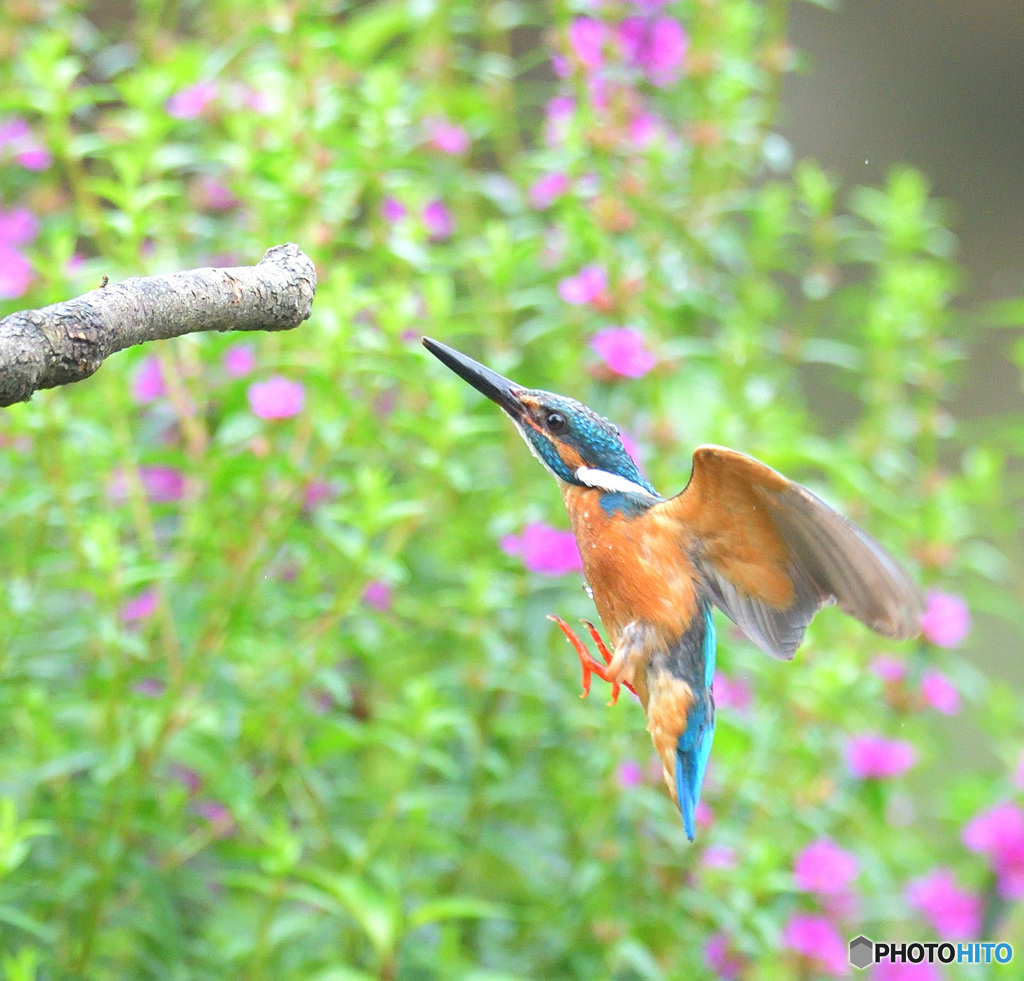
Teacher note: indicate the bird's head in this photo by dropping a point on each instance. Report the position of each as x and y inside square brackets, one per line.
[576, 444]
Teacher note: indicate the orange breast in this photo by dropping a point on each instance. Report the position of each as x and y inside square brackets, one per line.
[635, 566]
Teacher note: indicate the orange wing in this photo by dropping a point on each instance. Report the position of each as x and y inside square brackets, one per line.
[772, 554]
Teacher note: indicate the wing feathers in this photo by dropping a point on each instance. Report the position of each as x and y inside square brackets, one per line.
[848, 564]
[772, 554]
[776, 632]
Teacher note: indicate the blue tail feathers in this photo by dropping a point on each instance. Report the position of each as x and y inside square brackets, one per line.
[694, 746]
[692, 760]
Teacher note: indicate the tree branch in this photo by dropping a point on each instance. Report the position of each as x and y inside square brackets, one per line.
[66, 342]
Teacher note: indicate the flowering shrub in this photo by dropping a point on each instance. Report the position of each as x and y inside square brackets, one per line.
[278, 692]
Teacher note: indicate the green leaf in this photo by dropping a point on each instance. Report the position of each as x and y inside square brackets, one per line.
[17, 918]
[371, 29]
[378, 914]
[455, 908]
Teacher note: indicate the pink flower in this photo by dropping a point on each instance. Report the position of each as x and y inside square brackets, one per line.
[448, 137]
[392, 210]
[437, 220]
[15, 273]
[732, 693]
[664, 52]
[954, 913]
[148, 381]
[191, 102]
[719, 857]
[12, 131]
[896, 971]
[815, 938]
[589, 285]
[998, 833]
[215, 196]
[139, 607]
[34, 156]
[890, 669]
[629, 774]
[657, 46]
[722, 959]
[939, 692]
[544, 550]
[870, 756]
[825, 868]
[245, 96]
[644, 128]
[213, 811]
[548, 189]
[28, 152]
[703, 815]
[150, 687]
[239, 360]
[586, 40]
[623, 350]
[217, 814]
[187, 777]
[378, 595]
[18, 226]
[276, 398]
[317, 492]
[993, 830]
[946, 621]
[162, 484]
[633, 32]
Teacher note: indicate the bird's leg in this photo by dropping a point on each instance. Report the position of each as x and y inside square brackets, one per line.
[632, 653]
[605, 653]
[590, 664]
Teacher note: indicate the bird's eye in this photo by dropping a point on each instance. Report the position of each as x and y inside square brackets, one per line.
[555, 422]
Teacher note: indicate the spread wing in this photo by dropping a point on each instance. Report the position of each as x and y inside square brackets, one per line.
[772, 554]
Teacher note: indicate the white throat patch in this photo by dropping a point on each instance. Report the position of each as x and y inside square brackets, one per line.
[611, 482]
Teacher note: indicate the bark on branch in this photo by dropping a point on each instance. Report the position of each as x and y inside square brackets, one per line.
[68, 341]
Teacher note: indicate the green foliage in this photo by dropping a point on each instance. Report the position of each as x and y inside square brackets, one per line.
[221, 755]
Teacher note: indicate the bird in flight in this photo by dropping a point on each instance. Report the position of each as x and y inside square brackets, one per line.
[741, 537]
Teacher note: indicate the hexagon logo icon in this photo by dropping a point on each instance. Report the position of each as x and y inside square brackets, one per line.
[862, 952]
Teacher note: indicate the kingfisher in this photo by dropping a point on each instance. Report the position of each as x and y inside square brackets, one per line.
[741, 537]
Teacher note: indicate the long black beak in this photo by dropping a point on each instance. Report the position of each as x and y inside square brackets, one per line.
[498, 389]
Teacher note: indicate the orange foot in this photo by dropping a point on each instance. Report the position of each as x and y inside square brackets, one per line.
[590, 665]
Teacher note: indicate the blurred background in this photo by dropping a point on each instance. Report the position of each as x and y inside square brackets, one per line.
[935, 85]
[278, 693]
[939, 86]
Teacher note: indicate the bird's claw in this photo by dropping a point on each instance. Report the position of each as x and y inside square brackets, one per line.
[589, 664]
